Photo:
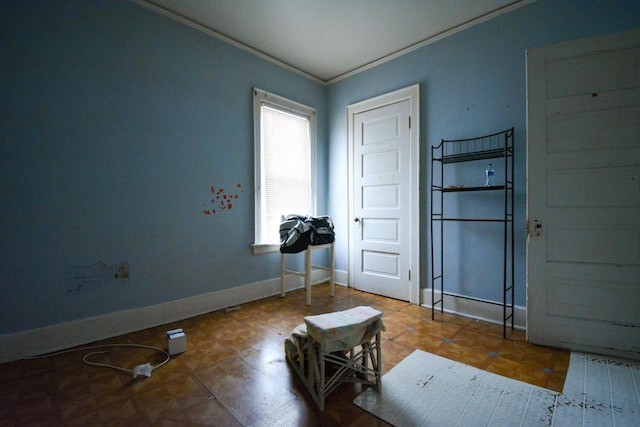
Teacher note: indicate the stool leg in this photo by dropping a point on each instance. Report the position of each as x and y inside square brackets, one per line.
[307, 274]
[322, 376]
[332, 267]
[378, 366]
[282, 276]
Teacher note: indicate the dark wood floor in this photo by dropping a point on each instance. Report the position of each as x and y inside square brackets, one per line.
[234, 372]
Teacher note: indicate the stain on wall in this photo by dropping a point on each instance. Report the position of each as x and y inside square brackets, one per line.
[222, 200]
[87, 277]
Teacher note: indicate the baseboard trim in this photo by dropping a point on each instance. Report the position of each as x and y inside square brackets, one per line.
[48, 339]
[481, 310]
[66, 335]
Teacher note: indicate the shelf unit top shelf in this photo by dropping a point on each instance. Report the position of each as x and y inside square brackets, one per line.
[460, 189]
[492, 146]
[476, 155]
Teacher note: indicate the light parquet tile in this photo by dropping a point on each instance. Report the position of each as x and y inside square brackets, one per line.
[235, 373]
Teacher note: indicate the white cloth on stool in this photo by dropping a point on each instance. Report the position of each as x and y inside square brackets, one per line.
[295, 344]
[343, 330]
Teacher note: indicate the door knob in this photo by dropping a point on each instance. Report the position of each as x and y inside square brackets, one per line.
[357, 219]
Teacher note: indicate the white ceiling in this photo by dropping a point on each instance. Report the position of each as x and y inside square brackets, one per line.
[330, 39]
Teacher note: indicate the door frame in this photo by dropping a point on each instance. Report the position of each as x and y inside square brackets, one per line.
[411, 93]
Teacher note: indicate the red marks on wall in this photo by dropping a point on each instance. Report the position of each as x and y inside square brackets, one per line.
[222, 200]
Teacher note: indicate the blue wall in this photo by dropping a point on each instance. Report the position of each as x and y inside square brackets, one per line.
[116, 122]
[472, 83]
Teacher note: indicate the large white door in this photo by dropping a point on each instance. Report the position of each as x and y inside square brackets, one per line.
[583, 195]
[383, 206]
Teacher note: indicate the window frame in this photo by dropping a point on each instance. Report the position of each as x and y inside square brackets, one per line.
[261, 97]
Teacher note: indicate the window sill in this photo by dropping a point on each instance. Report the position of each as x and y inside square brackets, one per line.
[265, 248]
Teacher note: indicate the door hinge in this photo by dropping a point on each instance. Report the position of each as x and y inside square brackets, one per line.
[409, 122]
[409, 275]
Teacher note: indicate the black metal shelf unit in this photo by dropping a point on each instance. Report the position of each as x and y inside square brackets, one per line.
[495, 146]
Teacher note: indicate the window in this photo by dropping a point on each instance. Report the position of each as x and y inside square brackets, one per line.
[284, 164]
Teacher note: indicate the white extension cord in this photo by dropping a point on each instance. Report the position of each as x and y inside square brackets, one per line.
[144, 369]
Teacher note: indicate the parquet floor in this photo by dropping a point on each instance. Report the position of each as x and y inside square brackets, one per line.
[234, 372]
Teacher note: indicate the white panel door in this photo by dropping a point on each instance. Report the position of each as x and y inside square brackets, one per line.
[381, 201]
[583, 195]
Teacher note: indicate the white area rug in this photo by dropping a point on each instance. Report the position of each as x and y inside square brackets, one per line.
[429, 390]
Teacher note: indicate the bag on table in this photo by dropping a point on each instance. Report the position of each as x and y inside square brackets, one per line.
[321, 230]
[295, 234]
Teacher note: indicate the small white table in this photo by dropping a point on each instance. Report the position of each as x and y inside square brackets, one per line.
[308, 270]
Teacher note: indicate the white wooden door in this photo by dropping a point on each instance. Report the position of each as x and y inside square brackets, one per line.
[383, 195]
[583, 195]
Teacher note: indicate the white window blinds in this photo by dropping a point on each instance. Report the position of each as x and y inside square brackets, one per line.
[286, 168]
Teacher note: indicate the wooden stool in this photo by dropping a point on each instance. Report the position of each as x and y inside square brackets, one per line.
[330, 349]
